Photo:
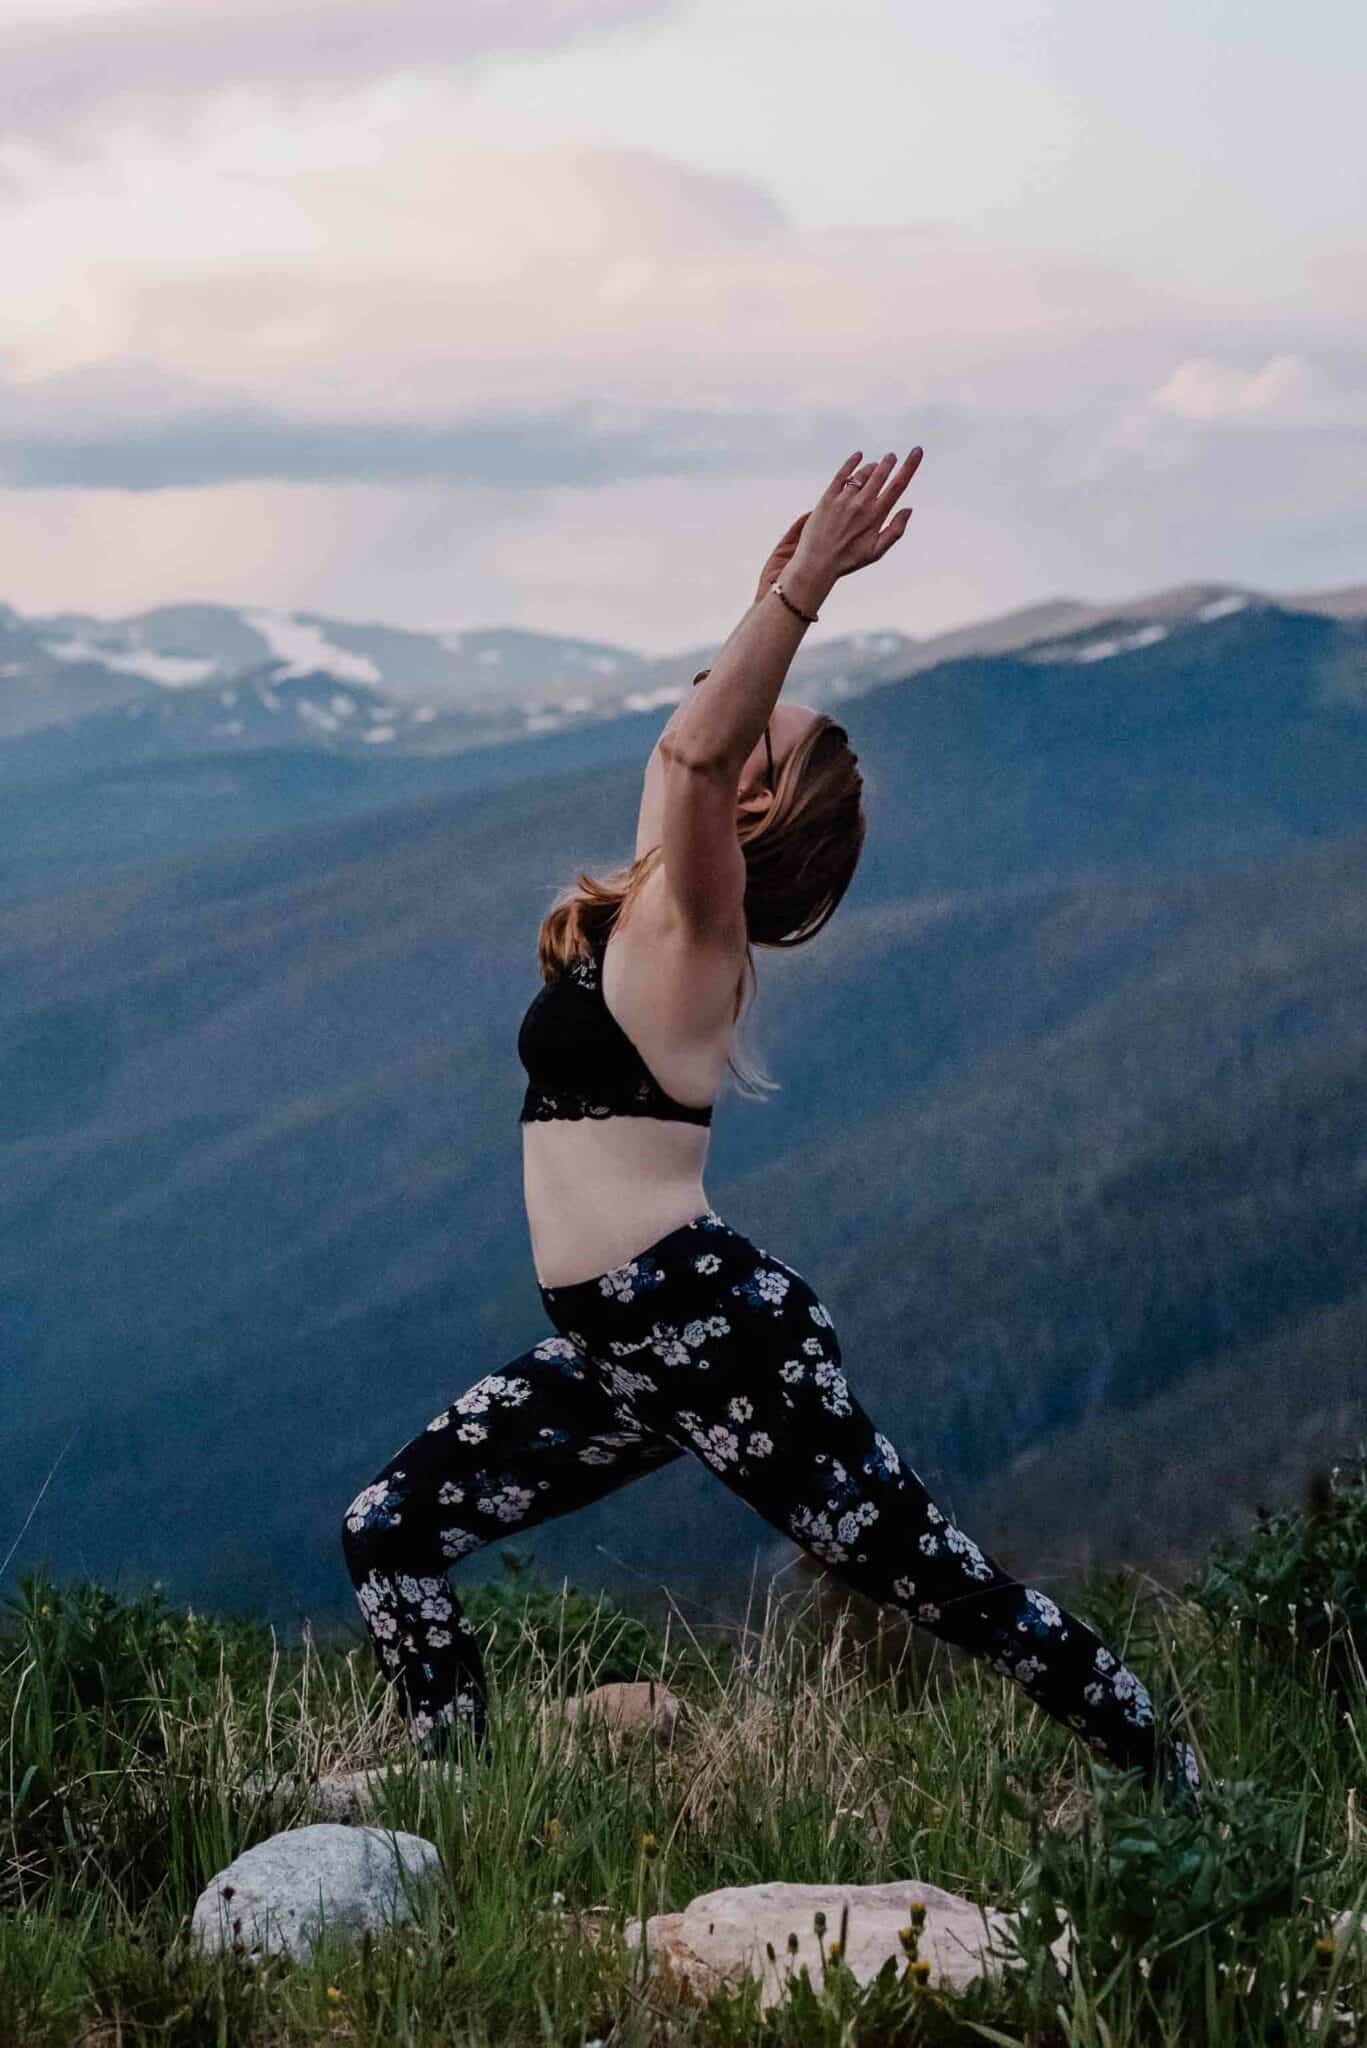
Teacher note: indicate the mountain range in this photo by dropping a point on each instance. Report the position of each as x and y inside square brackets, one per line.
[1069, 1138]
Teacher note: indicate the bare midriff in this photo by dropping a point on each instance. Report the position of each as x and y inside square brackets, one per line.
[599, 1190]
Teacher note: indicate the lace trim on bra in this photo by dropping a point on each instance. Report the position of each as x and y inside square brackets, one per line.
[647, 1097]
[542, 1107]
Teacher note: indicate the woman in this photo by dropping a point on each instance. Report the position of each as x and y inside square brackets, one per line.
[672, 1332]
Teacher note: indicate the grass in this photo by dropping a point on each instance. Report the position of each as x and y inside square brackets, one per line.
[818, 1744]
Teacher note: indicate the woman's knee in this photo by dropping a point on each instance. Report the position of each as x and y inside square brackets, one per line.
[372, 1529]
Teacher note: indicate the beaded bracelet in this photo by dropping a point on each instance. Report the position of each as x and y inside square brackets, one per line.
[810, 617]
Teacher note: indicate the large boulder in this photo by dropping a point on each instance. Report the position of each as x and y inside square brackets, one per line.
[276, 1895]
[725, 1935]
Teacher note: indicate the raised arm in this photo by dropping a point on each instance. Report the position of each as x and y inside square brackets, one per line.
[728, 711]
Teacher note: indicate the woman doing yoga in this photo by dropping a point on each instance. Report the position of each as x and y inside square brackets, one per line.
[671, 1333]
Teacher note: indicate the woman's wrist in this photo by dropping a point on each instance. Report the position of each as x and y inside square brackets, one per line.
[806, 586]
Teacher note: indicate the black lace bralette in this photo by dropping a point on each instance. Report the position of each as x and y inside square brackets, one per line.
[579, 1060]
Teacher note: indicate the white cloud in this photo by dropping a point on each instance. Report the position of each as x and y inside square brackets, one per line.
[63, 60]
[355, 358]
[364, 263]
[1203, 389]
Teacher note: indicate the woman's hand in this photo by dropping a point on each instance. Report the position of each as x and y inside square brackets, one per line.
[782, 555]
[844, 531]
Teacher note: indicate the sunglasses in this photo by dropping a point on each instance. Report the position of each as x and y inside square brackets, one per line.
[768, 744]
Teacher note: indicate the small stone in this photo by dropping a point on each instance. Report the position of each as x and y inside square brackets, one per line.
[634, 1706]
[275, 1896]
[344, 1795]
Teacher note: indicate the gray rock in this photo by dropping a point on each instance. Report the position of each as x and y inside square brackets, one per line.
[275, 1896]
[722, 1936]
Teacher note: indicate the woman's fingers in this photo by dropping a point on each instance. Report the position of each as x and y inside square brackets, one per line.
[897, 483]
[846, 469]
[893, 532]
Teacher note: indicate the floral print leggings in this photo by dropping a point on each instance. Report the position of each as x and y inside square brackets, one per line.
[707, 1344]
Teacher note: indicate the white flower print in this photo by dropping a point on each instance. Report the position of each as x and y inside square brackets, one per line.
[930, 1543]
[493, 1387]
[835, 1393]
[1029, 1669]
[819, 1315]
[441, 1421]
[620, 1283]
[1094, 1693]
[472, 1432]
[719, 1445]
[1126, 1686]
[707, 1262]
[815, 1533]
[1044, 1607]
[813, 1347]
[905, 1589]
[772, 1286]
[459, 1542]
[435, 1610]
[509, 1503]
[887, 1452]
[702, 1327]
[792, 1371]
[928, 1611]
[667, 1346]
[933, 1513]
[620, 1348]
[551, 1348]
[741, 1409]
[370, 1497]
[624, 1384]
[975, 1564]
[439, 1637]
[375, 1591]
[849, 1525]
[1104, 1660]
[760, 1444]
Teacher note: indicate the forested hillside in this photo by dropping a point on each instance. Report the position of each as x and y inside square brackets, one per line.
[1070, 1137]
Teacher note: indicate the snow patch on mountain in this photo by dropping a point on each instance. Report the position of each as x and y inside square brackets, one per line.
[174, 671]
[304, 648]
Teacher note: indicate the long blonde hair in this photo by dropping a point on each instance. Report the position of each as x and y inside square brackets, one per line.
[800, 857]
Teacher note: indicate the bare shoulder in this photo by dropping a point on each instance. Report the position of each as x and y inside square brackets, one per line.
[667, 979]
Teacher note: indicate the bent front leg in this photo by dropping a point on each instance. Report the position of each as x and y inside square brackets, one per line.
[536, 1439]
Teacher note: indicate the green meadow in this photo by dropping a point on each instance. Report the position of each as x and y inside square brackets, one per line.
[819, 1741]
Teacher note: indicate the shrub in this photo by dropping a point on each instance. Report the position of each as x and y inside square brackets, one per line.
[1300, 1577]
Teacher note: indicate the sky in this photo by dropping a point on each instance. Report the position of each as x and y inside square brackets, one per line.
[555, 313]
